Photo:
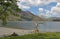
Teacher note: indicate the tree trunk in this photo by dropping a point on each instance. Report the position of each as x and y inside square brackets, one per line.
[36, 27]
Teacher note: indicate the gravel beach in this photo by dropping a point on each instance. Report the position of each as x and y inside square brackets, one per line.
[9, 31]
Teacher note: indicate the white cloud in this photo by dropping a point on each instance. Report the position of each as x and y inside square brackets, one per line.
[25, 7]
[41, 15]
[47, 13]
[57, 0]
[38, 2]
[54, 12]
[41, 9]
[53, 0]
[35, 2]
[58, 5]
[56, 9]
[22, 6]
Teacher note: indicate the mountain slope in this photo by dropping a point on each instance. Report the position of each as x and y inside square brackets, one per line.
[28, 16]
[25, 16]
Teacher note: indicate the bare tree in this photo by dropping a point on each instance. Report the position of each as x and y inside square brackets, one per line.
[36, 24]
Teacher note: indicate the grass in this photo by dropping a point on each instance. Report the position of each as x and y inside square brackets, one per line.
[48, 35]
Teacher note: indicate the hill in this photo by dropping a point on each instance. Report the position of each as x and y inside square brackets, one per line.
[54, 19]
[25, 16]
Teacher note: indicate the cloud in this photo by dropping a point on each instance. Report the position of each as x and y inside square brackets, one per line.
[22, 6]
[28, 3]
[35, 2]
[58, 5]
[56, 9]
[32, 2]
[41, 9]
[39, 2]
[48, 13]
[41, 15]
[57, 0]
[54, 12]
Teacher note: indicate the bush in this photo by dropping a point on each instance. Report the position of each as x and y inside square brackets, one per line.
[14, 34]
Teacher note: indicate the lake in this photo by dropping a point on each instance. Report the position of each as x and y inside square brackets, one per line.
[46, 26]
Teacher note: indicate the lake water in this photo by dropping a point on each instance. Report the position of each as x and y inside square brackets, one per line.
[29, 25]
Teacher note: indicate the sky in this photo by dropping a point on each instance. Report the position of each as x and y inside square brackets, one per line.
[46, 8]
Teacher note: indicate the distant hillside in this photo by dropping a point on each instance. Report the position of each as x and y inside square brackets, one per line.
[54, 19]
[25, 16]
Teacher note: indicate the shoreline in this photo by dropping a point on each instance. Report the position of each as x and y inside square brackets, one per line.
[5, 31]
[9, 31]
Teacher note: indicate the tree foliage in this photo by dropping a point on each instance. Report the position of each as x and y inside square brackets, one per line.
[8, 7]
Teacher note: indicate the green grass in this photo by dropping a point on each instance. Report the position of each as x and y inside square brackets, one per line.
[48, 35]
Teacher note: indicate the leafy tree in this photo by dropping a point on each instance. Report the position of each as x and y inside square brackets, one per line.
[8, 7]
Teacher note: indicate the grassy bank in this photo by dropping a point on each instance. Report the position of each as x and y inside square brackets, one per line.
[48, 35]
